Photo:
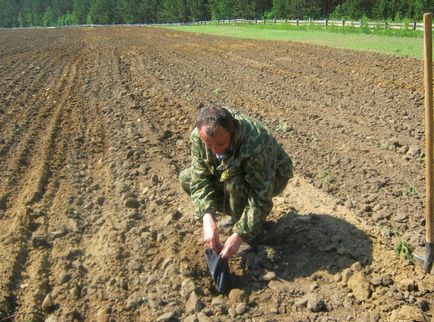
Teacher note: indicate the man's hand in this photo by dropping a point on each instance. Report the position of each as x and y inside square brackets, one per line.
[211, 233]
[231, 246]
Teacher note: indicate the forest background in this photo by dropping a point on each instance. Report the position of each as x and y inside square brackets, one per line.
[29, 13]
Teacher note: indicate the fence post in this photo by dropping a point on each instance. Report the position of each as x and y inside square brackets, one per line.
[429, 211]
[256, 21]
[326, 22]
[385, 25]
[297, 22]
[414, 24]
[343, 22]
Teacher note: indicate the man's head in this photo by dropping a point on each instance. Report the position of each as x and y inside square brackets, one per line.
[216, 127]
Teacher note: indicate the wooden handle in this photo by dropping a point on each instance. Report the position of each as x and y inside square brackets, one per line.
[427, 22]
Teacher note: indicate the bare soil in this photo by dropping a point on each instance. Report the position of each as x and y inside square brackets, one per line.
[94, 225]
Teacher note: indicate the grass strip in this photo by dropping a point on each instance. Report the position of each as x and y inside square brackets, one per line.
[387, 42]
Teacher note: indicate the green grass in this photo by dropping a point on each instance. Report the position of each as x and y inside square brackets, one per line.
[404, 43]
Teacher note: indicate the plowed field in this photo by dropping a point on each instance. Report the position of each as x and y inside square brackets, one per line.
[94, 226]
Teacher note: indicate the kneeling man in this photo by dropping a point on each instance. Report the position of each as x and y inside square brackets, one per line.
[237, 168]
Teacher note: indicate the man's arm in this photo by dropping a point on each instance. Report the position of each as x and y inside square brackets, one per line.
[201, 186]
[202, 193]
[210, 232]
[231, 246]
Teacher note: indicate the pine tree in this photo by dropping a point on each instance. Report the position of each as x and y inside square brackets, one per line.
[130, 10]
[174, 11]
[215, 10]
[61, 7]
[25, 17]
[80, 9]
[228, 8]
[263, 6]
[295, 9]
[150, 11]
[48, 17]
[9, 11]
[37, 10]
[199, 9]
[101, 11]
[246, 9]
[280, 9]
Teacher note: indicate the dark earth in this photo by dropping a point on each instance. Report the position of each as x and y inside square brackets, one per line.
[94, 226]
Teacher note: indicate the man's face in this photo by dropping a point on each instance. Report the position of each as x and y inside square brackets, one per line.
[219, 143]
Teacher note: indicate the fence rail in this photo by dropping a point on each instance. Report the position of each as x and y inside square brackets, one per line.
[326, 23]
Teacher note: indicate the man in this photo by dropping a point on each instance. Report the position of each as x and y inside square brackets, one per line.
[237, 168]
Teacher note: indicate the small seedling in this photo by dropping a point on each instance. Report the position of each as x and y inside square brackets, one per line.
[384, 146]
[402, 247]
[283, 127]
[412, 192]
[68, 205]
[217, 91]
[327, 179]
[17, 129]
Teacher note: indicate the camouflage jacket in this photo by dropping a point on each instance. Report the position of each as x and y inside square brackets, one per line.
[254, 154]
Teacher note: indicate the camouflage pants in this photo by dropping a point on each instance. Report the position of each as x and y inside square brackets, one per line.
[231, 196]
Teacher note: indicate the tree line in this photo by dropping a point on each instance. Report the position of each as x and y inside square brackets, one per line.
[25, 13]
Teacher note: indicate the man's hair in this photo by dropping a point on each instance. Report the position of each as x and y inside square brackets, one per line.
[213, 115]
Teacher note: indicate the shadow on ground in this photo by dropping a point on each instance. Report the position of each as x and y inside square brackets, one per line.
[300, 245]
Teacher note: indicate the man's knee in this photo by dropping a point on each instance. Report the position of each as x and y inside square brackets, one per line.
[279, 184]
[283, 175]
[185, 179]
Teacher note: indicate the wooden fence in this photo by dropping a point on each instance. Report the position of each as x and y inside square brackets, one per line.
[325, 23]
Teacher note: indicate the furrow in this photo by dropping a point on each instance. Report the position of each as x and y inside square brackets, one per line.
[19, 210]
